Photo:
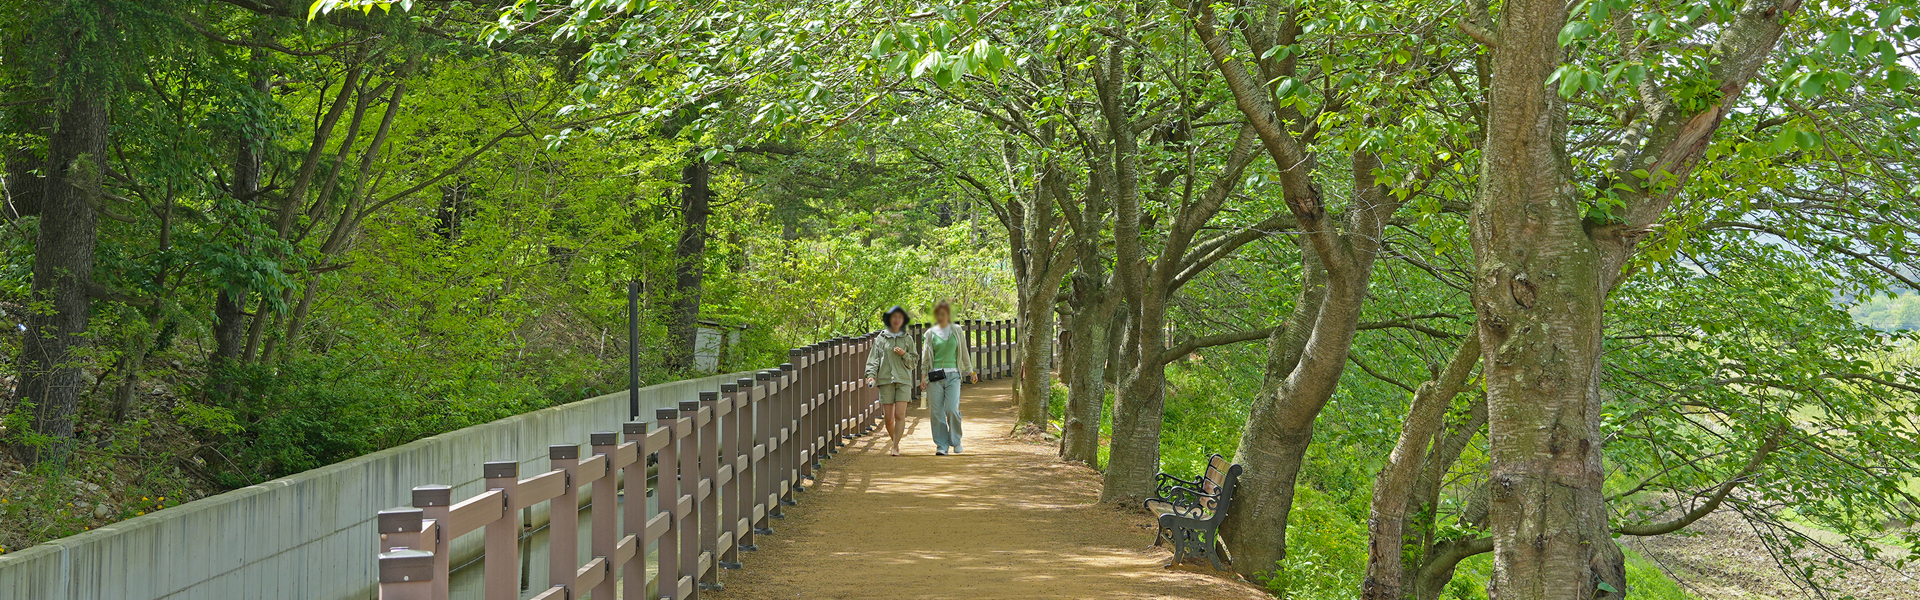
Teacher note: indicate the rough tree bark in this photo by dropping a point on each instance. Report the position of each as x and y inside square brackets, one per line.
[1426, 579]
[50, 368]
[1041, 254]
[1543, 275]
[1394, 486]
[696, 205]
[1090, 334]
[1538, 299]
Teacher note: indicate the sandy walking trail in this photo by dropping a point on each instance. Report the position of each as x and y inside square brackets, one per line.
[1004, 520]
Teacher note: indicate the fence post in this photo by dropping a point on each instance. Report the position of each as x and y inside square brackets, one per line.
[433, 502]
[727, 482]
[605, 507]
[765, 489]
[563, 517]
[666, 495]
[789, 439]
[810, 413]
[1002, 349]
[686, 516]
[838, 399]
[971, 347]
[634, 513]
[708, 498]
[746, 475]
[842, 399]
[406, 571]
[407, 574]
[502, 569]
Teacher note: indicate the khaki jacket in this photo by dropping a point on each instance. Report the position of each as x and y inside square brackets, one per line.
[884, 367]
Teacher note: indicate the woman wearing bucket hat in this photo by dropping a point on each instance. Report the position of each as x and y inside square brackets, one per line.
[890, 368]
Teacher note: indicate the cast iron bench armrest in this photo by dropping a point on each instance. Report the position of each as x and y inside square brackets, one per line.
[1193, 511]
[1185, 496]
[1161, 482]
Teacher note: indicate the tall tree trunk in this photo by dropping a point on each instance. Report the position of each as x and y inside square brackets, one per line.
[1036, 334]
[1256, 531]
[1539, 297]
[689, 267]
[50, 373]
[1431, 574]
[1133, 456]
[230, 302]
[349, 221]
[1395, 484]
[1089, 336]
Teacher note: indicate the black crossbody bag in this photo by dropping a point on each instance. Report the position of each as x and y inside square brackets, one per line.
[937, 375]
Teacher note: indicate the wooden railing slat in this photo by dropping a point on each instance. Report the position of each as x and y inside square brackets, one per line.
[473, 513]
[657, 526]
[541, 488]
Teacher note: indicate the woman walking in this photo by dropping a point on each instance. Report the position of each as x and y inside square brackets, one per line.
[890, 368]
[946, 358]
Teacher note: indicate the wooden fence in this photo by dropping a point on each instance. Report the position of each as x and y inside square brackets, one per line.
[726, 463]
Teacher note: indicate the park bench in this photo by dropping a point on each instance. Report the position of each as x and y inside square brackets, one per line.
[1190, 512]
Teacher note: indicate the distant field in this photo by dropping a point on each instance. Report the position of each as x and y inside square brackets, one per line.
[1888, 314]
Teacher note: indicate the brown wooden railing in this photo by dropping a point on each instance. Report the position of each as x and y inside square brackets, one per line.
[726, 463]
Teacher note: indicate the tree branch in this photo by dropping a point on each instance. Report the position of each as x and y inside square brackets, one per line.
[1713, 502]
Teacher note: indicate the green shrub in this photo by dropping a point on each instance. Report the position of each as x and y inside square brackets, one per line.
[1326, 550]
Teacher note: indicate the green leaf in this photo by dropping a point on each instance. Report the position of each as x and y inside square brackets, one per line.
[1604, 586]
[930, 62]
[1815, 84]
[1785, 140]
[1574, 31]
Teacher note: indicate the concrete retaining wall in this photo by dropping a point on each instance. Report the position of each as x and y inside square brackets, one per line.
[309, 536]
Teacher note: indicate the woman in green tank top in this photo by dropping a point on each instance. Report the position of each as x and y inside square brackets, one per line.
[944, 348]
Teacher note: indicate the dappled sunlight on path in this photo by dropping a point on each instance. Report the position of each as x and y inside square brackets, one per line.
[1004, 520]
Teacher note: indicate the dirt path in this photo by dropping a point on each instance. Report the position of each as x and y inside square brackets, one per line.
[1005, 520]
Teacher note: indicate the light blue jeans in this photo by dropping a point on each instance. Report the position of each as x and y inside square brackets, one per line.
[943, 404]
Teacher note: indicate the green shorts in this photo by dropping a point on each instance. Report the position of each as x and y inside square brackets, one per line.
[895, 392]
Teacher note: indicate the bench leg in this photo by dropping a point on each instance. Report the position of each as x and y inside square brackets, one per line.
[1211, 543]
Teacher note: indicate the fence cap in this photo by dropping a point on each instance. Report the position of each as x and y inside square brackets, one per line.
[432, 495]
[637, 427]
[500, 469]
[689, 405]
[710, 396]
[563, 452]
[603, 438]
[765, 375]
[786, 366]
[404, 565]
[746, 382]
[795, 352]
[405, 519]
[725, 388]
[665, 414]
